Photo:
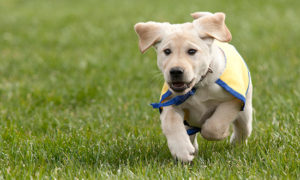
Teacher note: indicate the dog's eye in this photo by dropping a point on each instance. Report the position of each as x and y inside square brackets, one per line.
[167, 51]
[192, 51]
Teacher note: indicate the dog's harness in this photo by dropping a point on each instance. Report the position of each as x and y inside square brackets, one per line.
[177, 100]
[235, 79]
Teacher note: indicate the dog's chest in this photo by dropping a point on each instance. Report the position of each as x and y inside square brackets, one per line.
[202, 105]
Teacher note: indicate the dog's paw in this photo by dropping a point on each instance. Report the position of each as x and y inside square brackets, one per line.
[181, 148]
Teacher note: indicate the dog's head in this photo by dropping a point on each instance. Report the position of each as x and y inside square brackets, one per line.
[183, 50]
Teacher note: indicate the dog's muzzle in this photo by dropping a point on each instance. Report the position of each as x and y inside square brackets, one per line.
[177, 84]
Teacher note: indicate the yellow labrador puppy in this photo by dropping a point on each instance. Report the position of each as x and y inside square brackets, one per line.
[207, 83]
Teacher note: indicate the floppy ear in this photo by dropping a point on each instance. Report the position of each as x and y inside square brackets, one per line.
[197, 15]
[213, 26]
[149, 33]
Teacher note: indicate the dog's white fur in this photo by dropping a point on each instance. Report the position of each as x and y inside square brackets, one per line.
[211, 108]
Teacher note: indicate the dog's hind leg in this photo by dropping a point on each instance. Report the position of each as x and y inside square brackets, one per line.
[242, 126]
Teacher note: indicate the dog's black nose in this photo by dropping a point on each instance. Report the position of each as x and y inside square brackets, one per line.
[176, 72]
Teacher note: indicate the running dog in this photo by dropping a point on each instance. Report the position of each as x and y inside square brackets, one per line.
[207, 83]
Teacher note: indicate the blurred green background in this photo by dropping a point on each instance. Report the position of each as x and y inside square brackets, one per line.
[75, 91]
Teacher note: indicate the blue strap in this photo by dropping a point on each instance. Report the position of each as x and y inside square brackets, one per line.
[193, 131]
[177, 100]
[164, 96]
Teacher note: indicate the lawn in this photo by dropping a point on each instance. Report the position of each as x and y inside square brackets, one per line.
[75, 91]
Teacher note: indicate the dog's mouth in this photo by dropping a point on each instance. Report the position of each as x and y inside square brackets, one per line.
[181, 86]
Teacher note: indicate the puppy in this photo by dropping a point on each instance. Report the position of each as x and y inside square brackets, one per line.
[207, 83]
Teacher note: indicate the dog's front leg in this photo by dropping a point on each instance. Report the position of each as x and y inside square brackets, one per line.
[178, 140]
[217, 126]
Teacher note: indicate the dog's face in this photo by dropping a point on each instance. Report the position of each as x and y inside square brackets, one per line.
[183, 50]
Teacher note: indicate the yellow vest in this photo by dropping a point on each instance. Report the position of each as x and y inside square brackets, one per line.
[235, 79]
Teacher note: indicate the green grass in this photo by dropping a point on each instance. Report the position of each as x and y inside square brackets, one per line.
[75, 91]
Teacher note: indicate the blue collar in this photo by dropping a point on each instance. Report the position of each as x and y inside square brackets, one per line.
[177, 100]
